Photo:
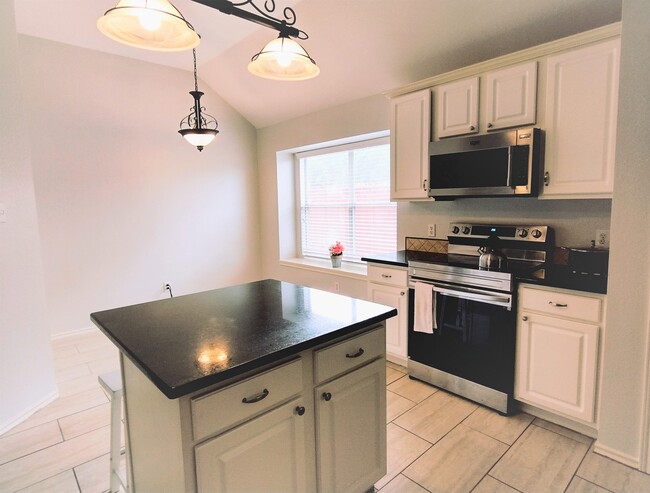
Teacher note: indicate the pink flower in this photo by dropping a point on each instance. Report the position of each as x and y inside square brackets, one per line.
[336, 249]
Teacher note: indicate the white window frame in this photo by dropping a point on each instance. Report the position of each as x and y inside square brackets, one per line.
[327, 149]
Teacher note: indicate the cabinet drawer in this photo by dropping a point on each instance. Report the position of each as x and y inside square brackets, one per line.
[345, 355]
[562, 304]
[387, 275]
[218, 410]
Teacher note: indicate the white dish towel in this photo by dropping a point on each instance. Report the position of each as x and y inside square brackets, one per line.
[425, 307]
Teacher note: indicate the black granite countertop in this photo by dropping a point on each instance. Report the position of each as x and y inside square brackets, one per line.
[188, 343]
[557, 276]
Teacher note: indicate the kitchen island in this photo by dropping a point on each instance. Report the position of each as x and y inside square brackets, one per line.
[266, 386]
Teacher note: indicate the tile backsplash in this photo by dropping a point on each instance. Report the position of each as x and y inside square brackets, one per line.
[426, 245]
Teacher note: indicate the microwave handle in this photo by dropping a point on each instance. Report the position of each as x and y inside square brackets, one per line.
[509, 178]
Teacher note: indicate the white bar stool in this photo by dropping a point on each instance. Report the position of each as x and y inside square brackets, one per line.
[112, 385]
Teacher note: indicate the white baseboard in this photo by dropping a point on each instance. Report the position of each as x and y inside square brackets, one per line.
[628, 460]
[70, 333]
[5, 427]
[586, 429]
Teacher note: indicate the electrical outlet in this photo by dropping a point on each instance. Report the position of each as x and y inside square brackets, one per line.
[602, 238]
[431, 230]
[166, 286]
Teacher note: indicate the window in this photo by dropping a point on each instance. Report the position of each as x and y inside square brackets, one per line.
[345, 196]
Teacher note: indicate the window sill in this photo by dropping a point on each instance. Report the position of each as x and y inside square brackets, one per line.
[347, 269]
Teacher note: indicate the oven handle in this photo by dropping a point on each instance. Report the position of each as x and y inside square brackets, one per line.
[469, 295]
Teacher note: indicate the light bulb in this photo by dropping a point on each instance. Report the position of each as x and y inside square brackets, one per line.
[150, 19]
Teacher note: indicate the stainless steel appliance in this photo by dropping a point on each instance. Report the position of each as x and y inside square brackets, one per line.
[497, 164]
[471, 352]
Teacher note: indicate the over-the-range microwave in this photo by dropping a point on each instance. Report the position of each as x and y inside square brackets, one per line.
[498, 164]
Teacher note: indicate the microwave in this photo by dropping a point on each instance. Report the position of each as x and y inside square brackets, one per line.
[499, 164]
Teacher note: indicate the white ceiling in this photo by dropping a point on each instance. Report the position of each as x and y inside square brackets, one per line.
[363, 47]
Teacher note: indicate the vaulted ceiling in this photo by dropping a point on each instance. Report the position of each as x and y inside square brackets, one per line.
[363, 47]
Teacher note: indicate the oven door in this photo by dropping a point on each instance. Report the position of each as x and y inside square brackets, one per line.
[474, 339]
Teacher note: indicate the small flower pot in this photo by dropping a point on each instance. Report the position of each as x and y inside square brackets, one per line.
[336, 260]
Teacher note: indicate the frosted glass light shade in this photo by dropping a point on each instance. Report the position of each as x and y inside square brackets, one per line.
[283, 59]
[149, 24]
[199, 137]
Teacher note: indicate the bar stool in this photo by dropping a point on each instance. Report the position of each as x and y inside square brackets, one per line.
[112, 385]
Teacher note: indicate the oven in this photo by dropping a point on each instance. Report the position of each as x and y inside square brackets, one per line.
[470, 348]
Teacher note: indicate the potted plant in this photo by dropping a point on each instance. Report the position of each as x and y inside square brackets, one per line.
[336, 253]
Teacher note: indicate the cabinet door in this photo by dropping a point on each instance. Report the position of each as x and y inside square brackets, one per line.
[265, 454]
[511, 96]
[581, 107]
[556, 365]
[409, 145]
[395, 327]
[457, 108]
[351, 430]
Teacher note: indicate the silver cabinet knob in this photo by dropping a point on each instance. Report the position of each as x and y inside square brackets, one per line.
[524, 318]
[489, 125]
[472, 127]
[547, 179]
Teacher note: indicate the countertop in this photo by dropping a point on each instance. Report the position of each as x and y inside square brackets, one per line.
[188, 343]
[557, 276]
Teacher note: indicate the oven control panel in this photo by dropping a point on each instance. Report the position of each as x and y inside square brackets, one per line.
[503, 231]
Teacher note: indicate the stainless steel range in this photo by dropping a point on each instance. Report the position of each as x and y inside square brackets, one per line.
[462, 315]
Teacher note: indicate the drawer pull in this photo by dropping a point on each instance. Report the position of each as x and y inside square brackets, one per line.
[386, 276]
[355, 355]
[327, 396]
[559, 305]
[300, 410]
[524, 318]
[256, 398]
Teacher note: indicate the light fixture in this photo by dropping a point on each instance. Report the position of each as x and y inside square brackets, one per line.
[158, 25]
[283, 59]
[149, 24]
[198, 128]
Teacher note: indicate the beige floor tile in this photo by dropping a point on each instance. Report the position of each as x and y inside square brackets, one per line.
[19, 444]
[413, 390]
[105, 365]
[82, 422]
[94, 476]
[490, 485]
[579, 485]
[93, 341]
[612, 475]
[396, 405]
[402, 484]
[79, 384]
[71, 372]
[54, 460]
[504, 428]
[436, 416]
[457, 463]
[403, 448]
[561, 430]
[64, 482]
[85, 357]
[392, 374]
[63, 406]
[540, 461]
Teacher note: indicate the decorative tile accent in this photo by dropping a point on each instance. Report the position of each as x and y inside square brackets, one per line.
[426, 245]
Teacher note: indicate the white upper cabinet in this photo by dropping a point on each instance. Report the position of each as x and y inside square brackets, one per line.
[410, 130]
[511, 96]
[456, 108]
[581, 107]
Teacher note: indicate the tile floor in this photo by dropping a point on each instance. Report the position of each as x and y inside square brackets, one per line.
[437, 442]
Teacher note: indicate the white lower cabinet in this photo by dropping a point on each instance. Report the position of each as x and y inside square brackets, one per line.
[351, 431]
[558, 335]
[274, 444]
[389, 286]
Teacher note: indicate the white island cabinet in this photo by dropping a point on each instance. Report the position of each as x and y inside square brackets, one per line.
[314, 423]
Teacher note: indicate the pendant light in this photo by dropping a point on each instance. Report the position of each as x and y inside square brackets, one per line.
[158, 25]
[198, 128]
[283, 59]
[149, 24]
